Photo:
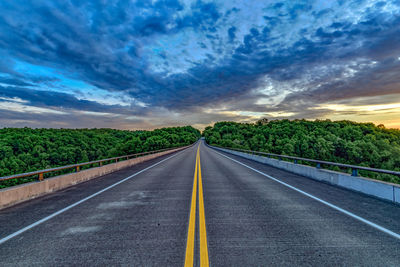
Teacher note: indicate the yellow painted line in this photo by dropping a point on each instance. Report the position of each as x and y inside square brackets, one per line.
[192, 220]
[204, 262]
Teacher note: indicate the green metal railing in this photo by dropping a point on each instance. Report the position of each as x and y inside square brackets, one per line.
[318, 163]
[78, 167]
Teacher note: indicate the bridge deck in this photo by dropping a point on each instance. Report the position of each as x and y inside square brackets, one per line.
[251, 220]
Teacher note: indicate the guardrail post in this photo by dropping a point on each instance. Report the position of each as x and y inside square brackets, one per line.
[100, 163]
[318, 165]
[295, 161]
[40, 176]
[354, 172]
[280, 158]
[77, 168]
[116, 160]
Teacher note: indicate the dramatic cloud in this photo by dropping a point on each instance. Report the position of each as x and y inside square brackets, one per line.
[146, 64]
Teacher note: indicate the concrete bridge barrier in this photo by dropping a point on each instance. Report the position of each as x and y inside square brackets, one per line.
[376, 188]
[19, 193]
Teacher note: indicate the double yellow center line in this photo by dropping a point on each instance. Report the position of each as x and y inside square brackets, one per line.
[192, 220]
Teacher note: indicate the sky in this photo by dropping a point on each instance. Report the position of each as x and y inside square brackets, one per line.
[149, 64]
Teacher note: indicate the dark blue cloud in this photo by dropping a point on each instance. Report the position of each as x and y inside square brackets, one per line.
[231, 33]
[57, 100]
[14, 81]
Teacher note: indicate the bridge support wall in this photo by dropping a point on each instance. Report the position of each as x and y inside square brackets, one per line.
[16, 194]
[379, 189]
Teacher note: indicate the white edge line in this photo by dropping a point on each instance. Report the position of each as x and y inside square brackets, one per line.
[5, 239]
[374, 225]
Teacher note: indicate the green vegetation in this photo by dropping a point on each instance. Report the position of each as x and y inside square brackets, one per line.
[24, 149]
[362, 144]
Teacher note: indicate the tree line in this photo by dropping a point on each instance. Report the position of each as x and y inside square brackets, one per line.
[25, 149]
[348, 142]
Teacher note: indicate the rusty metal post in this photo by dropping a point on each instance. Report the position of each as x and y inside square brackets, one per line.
[77, 168]
[40, 176]
[101, 163]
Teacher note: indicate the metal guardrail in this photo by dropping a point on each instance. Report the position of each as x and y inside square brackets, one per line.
[318, 163]
[79, 165]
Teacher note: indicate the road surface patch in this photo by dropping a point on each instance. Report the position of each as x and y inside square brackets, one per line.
[374, 225]
[6, 238]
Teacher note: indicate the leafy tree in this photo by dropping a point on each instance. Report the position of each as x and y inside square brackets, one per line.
[340, 141]
[25, 149]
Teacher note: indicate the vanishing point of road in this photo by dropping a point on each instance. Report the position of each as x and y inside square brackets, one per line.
[201, 207]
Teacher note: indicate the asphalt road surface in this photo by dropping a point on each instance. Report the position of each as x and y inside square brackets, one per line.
[201, 207]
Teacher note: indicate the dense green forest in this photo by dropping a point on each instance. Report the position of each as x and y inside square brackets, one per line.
[346, 142]
[25, 149]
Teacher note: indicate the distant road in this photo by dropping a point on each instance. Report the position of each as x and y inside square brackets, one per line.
[201, 207]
